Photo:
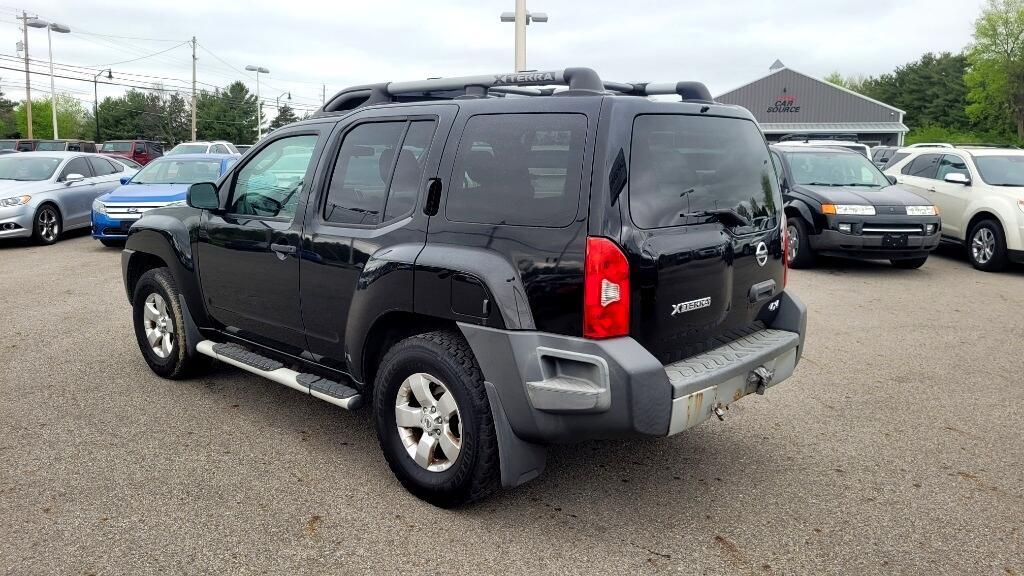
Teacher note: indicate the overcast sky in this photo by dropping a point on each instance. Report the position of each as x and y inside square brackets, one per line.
[339, 43]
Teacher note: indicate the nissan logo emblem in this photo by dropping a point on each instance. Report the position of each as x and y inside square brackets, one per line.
[762, 254]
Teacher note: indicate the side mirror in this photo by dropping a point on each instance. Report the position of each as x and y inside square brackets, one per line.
[203, 195]
[958, 178]
[891, 179]
[125, 180]
[72, 179]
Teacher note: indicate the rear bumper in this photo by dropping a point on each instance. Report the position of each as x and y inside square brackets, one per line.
[554, 388]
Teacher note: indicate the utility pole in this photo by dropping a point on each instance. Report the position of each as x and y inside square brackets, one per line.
[28, 79]
[323, 94]
[193, 88]
[522, 18]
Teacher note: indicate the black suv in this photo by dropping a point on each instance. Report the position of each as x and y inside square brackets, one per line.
[493, 263]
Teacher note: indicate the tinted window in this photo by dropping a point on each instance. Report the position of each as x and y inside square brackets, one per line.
[7, 145]
[101, 167]
[834, 169]
[924, 166]
[951, 164]
[408, 173]
[1001, 170]
[140, 148]
[51, 146]
[25, 146]
[76, 166]
[681, 167]
[896, 158]
[358, 188]
[155, 149]
[270, 184]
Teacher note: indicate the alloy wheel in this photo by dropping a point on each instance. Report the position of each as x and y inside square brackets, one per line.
[792, 241]
[158, 325]
[983, 245]
[48, 224]
[428, 422]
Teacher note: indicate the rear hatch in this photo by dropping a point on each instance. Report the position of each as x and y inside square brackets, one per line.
[705, 246]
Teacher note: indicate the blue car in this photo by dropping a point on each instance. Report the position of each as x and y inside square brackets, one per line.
[163, 181]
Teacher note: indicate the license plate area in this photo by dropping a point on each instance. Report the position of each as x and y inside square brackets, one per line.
[895, 240]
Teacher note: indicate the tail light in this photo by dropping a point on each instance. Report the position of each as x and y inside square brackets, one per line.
[605, 290]
[785, 252]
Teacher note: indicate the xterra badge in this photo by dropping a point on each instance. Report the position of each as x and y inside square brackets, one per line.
[691, 305]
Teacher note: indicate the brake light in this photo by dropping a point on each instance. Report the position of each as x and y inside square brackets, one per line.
[785, 252]
[605, 290]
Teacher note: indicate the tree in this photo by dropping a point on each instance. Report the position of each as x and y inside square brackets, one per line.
[285, 116]
[8, 122]
[228, 114]
[72, 118]
[996, 75]
[849, 82]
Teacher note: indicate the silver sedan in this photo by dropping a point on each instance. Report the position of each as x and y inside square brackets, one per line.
[42, 194]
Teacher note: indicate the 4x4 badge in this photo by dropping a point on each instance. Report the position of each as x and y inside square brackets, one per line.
[762, 254]
[691, 305]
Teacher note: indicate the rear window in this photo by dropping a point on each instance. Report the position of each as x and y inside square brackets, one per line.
[117, 147]
[682, 167]
[924, 166]
[519, 169]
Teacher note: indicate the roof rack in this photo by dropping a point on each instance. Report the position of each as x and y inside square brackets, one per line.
[983, 145]
[580, 82]
[931, 145]
[818, 136]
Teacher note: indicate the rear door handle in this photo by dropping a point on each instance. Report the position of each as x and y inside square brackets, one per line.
[761, 290]
[283, 250]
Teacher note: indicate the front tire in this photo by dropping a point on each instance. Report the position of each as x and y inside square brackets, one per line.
[909, 263]
[160, 327]
[986, 246]
[434, 422]
[799, 245]
[46, 225]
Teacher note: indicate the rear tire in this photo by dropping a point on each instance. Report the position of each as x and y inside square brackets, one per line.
[445, 456]
[986, 246]
[46, 225]
[160, 327]
[800, 253]
[909, 263]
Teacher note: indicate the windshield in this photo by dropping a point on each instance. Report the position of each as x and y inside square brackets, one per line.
[188, 149]
[1001, 170]
[178, 172]
[6, 144]
[834, 169]
[117, 147]
[31, 169]
[51, 146]
[687, 169]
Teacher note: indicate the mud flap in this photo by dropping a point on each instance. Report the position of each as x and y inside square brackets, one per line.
[521, 461]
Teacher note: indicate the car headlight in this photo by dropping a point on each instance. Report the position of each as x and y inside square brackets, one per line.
[848, 209]
[15, 201]
[99, 207]
[922, 211]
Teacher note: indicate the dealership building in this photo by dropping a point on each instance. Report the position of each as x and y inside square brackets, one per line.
[789, 102]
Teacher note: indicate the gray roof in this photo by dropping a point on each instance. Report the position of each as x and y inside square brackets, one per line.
[861, 127]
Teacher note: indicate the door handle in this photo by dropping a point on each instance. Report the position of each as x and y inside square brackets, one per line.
[283, 250]
[761, 290]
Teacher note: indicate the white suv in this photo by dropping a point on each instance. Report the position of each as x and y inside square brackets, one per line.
[980, 193]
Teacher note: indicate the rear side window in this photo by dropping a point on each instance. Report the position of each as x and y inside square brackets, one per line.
[101, 167]
[684, 167]
[518, 169]
[896, 158]
[924, 166]
[359, 184]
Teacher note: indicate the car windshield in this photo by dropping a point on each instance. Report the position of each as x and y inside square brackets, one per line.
[51, 146]
[1001, 170]
[188, 149]
[178, 172]
[6, 144]
[117, 147]
[834, 169]
[31, 169]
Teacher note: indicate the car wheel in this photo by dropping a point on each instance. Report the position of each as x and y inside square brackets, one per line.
[109, 243]
[799, 245]
[434, 422]
[986, 246]
[909, 263]
[160, 327]
[46, 225]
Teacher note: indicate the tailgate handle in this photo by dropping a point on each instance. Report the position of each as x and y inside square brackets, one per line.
[762, 290]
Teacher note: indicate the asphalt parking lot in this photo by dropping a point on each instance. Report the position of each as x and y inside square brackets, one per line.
[897, 448]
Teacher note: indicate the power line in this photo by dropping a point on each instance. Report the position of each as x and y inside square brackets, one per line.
[140, 57]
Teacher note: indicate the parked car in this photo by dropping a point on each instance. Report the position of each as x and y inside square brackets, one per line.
[125, 161]
[494, 294]
[43, 194]
[881, 155]
[243, 148]
[861, 149]
[141, 151]
[161, 182]
[216, 147]
[66, 145]
[980, 190]
[839, 204]
[18, 145]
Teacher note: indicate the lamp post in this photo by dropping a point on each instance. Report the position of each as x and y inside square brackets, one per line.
[96, 100]
[259, 103]
[522, 18]
[278, 99]
[60, 29]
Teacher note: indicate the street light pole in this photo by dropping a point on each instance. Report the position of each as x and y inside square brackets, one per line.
[259, 103]
[61, 29]
[522, 18]
[96, 100]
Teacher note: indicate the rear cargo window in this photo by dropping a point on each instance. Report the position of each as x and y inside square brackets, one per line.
[683, 167]
[518, 169]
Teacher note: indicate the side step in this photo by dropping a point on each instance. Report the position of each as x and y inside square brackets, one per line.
[322, 388]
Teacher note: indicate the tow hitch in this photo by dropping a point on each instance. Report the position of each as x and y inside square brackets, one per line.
[760, 378]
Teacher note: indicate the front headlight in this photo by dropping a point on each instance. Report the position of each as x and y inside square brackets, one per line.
[922, 211]
[99, 207]
[848, 209]
[15, 201]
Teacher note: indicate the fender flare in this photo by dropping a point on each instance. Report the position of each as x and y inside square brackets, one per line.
[804, 210]
[169, 239]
